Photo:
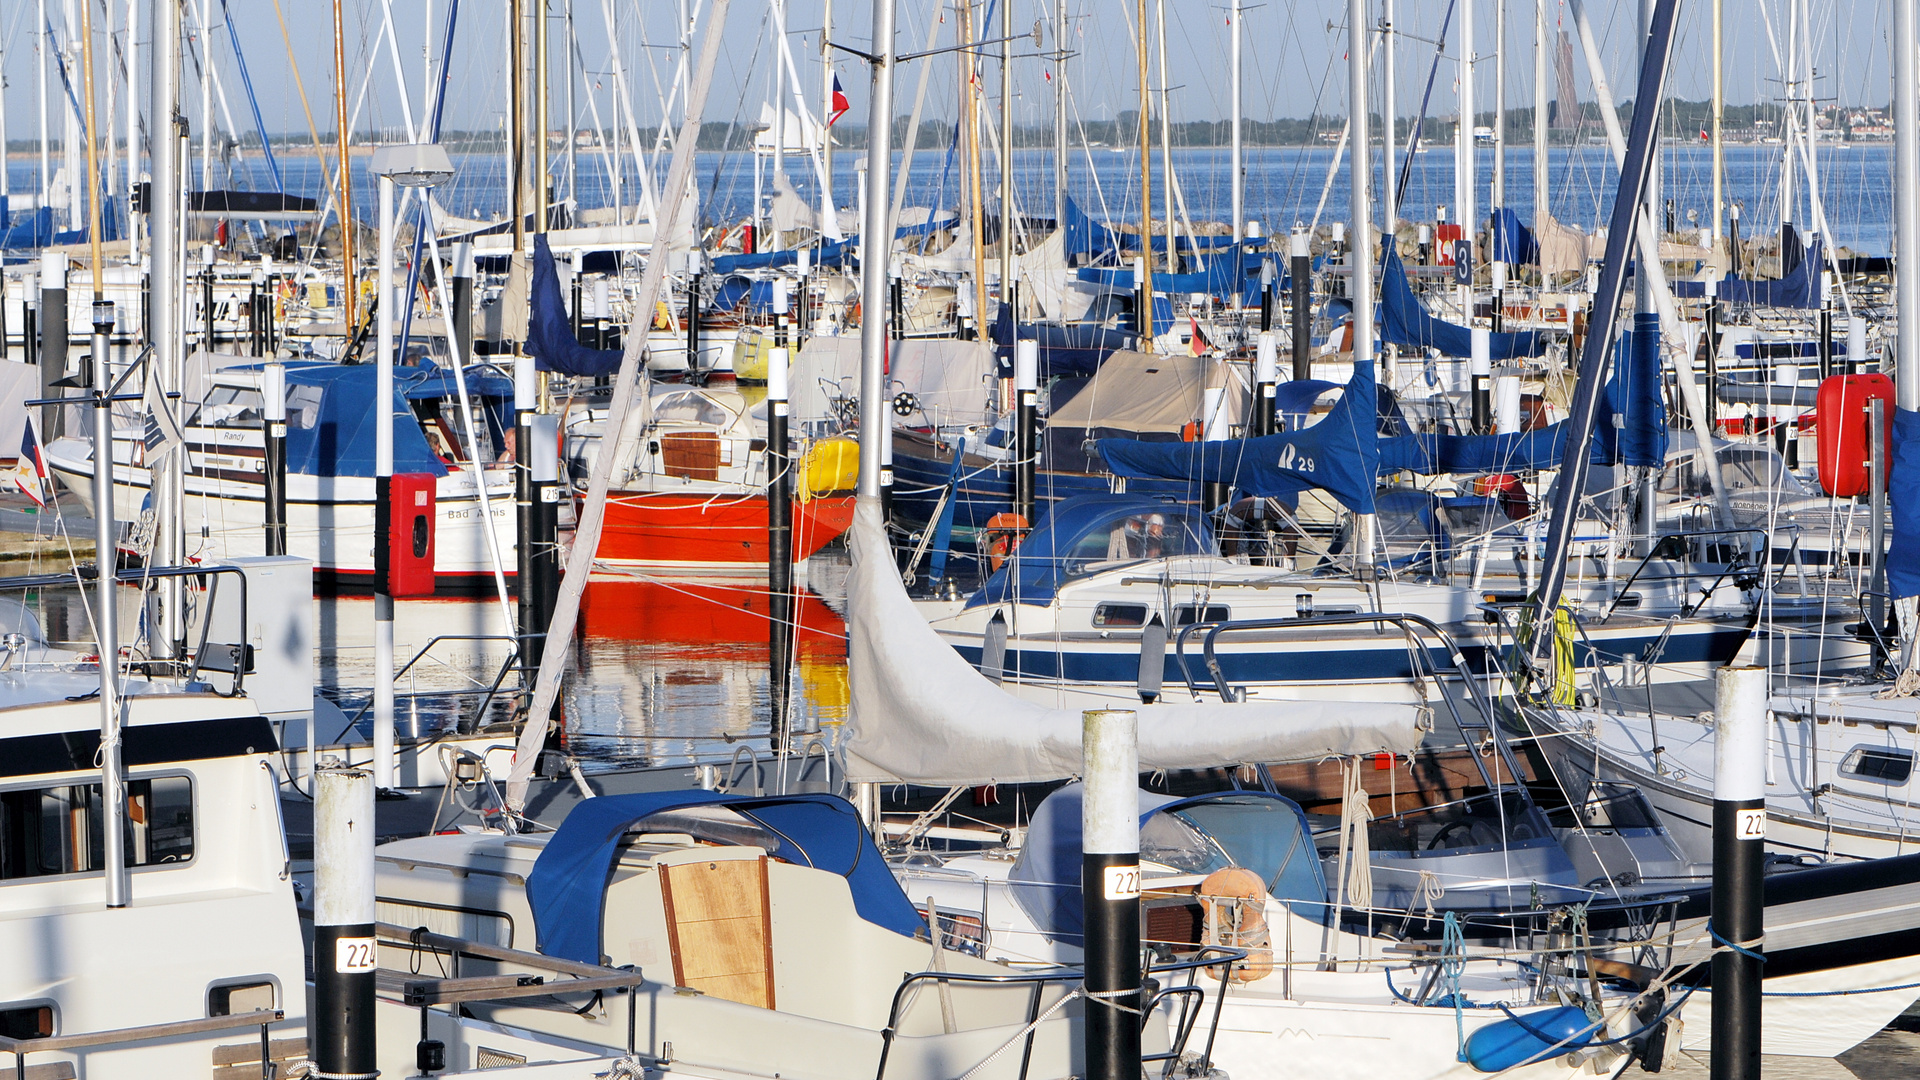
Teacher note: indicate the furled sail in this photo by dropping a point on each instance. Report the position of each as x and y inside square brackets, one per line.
[922, 714]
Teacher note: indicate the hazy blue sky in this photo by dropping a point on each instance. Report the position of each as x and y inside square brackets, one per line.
[1293, 59]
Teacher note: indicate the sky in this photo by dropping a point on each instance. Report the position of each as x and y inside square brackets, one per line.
[1293, 57]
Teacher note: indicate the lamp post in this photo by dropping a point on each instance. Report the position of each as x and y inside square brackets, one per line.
[419, 165]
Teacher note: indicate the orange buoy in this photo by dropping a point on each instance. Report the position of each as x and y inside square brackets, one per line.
[1004, 533]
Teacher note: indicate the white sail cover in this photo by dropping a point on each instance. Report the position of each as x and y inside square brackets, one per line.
[921, 714]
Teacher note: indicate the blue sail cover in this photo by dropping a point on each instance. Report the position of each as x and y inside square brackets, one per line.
[1404, 320]
[1903, 476]
[550, 334]
[1065, 349]
[1635, 395]
[1797, 288]
[1339, 455]
[568, 886]
[834, 253]
[1633, 392]
[336, 438]
[1513, 242]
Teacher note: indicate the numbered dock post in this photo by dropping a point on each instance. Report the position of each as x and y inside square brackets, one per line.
[344, 950]
[1110, 873]
[1739, 836]
[1300, 315]
[1026, 425]
[780, 604]
[273, 391]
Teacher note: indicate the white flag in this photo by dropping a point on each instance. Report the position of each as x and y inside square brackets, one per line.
[163, 435]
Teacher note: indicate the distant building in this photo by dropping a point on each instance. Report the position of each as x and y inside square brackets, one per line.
[1566, 110]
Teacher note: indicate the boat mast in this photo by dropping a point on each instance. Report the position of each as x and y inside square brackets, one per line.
[1906, 211]
[113, 795]
[1166, 132]
[344, 139]
[1009, 287]
[132, 53]
[1789, 76]
[828, 204]
[1361, 212]
[1237, 184]
[1719, 105]
[166, 279]
[1146, 181]
[778, 29]
[1499, 195]
[1390, 111]
[1811, 154]
[1466, 164]
[572, 110]
[538, 150]
[1060, 114]
[516, 124]
[876, 242]
[1541, 199]
[40, 102]
[976, 189]
[1628, 204]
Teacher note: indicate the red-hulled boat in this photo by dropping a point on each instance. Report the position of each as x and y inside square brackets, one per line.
[689, 481]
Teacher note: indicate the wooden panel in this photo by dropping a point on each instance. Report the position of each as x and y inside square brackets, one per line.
[720, 929]
[694, 455]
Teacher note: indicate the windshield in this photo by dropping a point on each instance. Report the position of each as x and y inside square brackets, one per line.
[1152, 535]
[1260, 834]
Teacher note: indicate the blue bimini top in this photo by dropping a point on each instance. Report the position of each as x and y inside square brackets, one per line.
[568, 886]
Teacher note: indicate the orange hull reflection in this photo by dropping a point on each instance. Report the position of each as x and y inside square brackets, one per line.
[702, 613]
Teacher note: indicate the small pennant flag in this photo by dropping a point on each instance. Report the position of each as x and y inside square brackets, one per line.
[840, 105]
[29, 472]
[162, 435]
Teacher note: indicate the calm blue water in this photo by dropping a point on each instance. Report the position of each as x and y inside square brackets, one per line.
[1284, 184]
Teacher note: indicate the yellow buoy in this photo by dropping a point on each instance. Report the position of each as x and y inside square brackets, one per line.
[829, 466]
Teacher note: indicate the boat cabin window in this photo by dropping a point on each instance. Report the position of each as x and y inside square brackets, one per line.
[50, 831]
[26, 1021]
[1188, 614]
[228, 406]
[687, 407]
[232, 999]
[1880, 764]
[1120, 615]
[1617, 806]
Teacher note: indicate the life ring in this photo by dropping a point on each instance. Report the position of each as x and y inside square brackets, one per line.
[1004, 533]
[1233, 904]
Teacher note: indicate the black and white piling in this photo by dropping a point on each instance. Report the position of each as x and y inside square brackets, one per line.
[345, 953]
[526, 398]
[803, 265]
[781, 314]
[1142, 305]
[696, 277]
[1480, 373]
[1266, 375]
[206, 294]
[1215, 426]
[1266, 295]
[1300, 273]
[113, 794]
[1110, 876]
[779, 543]
[1712, 392]
[273, 392]
[53, 339]
[1026, 423]
[460, 287]
[1739, 837]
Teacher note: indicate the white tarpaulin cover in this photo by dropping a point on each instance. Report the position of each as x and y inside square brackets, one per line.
[827, 367]
[1150, 392]
[921, 714]
[949, 378]
[19, 384]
